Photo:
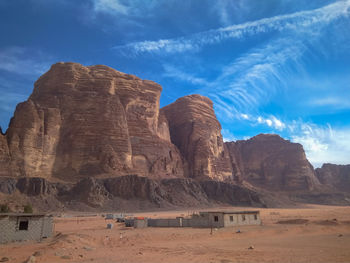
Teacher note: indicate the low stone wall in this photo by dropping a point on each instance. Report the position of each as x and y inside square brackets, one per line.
[164, 222]
[179, 222]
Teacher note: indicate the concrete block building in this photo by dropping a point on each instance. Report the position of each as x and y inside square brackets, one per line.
[233, 218]
[21, 227]
[203, 219]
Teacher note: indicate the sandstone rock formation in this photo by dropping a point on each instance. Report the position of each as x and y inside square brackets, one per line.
[96, 137]
[335, 176]
[270, 162]
[90, 121]
[195, 130]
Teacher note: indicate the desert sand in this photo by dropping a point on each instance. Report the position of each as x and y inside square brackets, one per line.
[312, 233]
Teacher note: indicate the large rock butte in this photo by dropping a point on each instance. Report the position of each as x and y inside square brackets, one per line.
[270, 162]
[91, 121]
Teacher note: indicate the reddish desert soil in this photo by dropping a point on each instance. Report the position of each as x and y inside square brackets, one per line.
[323, 235]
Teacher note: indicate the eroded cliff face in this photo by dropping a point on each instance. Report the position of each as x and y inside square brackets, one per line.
[91, 121]
[4, 156]
[270, 162]
[335, 176]
[196, 132]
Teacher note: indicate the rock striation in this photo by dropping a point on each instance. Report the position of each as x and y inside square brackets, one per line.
[90, 121]
[270, 162]
[196, 132]
[335, 176]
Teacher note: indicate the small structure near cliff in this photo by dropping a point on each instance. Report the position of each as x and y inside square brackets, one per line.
[21, 227]
[227, 219]
[204, 219]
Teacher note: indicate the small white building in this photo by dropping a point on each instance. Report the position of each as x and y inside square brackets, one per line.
[231, 218]
[21, 227]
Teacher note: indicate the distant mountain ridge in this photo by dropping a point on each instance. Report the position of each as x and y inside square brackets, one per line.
[84, 127]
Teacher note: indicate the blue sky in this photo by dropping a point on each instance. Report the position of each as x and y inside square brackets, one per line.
[272, 66]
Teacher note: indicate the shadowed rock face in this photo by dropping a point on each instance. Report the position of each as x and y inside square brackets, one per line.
[88, 121]
[335, 176]
[195, 130]
[270, 162]
[128, 192]
[4, 156]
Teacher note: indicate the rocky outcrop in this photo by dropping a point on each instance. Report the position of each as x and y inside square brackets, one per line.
[90, 121]
[335, 176]
[34, 186]
[270, 162]
[196, 132]
[7, 185]
[119, 192]
[231, 194]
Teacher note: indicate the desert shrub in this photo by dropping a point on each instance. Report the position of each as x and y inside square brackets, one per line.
[4, 208]
[28, 208]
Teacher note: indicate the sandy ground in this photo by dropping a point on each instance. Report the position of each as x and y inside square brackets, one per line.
[323, 236]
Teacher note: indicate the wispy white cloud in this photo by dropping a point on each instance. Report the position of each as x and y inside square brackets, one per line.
[253, 78]
[245, 116]
[334, 102]
[110, 6]
[324, 144]
[272, 122]
[23, 61]
[295, 21]
[227, 136]
[173, 72]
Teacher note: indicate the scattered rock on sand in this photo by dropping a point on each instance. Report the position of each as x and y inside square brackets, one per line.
[31, 259]
[4, 259]
[251, 247]
[37, 254]
[88, 248]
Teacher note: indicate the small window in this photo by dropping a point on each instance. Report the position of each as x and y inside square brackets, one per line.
[23, 225]
[243, 217]
[231, 218]
[255, 217]
[216, 218]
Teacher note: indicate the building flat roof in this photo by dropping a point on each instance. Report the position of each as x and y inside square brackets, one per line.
[22, 214]
[231, 212]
